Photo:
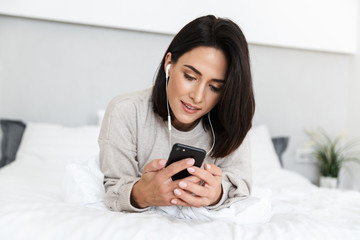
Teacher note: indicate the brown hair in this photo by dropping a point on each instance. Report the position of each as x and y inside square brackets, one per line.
[232, 115]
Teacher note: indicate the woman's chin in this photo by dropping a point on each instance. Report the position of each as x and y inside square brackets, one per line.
[185, 124]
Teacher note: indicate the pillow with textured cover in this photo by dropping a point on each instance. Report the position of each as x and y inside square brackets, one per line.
[12, 132]
[280, 145]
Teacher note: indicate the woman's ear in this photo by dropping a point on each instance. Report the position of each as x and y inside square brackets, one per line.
[167, 62]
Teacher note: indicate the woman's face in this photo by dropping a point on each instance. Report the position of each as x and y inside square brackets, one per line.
[195, 84]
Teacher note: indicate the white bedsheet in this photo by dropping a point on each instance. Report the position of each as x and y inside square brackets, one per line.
[32, 206]
[253, 210]
[83, 184]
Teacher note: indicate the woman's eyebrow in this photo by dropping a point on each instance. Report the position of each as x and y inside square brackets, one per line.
[194, 69]
[199, 73]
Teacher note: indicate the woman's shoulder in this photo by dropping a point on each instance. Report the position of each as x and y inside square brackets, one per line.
[131, 101]
[125, 110]
[138, 96]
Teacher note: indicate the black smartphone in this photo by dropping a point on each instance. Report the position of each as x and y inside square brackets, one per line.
[181, 151]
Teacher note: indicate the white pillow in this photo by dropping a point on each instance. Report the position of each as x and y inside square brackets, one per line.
[83, 184]
[52, 142]
[264, 157]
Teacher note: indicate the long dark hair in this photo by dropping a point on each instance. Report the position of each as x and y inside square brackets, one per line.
[232, 115]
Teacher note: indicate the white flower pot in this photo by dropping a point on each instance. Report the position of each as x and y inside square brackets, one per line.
[328, 182]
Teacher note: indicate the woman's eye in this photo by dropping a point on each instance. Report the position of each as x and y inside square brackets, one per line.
[215, 89]
[189, 77]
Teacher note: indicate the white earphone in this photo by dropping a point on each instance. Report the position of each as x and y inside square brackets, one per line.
[167, 71]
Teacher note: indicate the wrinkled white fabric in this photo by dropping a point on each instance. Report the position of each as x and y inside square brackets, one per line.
[83, 184]
[255, 209]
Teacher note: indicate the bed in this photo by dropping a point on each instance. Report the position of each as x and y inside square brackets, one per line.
[53, 190]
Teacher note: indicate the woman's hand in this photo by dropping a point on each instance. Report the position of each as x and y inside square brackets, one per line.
[155, 187]
[198, 195]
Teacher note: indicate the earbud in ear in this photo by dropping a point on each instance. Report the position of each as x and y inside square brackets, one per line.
[167, 71]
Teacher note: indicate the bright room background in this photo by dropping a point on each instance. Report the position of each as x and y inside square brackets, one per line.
[62, 61]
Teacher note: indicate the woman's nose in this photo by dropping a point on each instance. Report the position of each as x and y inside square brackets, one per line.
[198, 93]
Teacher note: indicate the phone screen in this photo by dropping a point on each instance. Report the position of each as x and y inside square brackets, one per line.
[181, 151]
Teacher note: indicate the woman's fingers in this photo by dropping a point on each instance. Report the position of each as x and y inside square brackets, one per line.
[179, 202]
[194, 194]
[193, 179]
[213, 169]
[154, 165]
[197, 189]
[191, 199]
[176, 167]
[202, 174]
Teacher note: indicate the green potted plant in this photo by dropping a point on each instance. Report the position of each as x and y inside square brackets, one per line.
[330, 155]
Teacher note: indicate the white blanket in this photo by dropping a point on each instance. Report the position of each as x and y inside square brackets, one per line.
[83, 184]
[33, 204]
[255, 209]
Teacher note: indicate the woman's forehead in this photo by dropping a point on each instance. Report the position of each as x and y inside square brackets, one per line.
[205, 60]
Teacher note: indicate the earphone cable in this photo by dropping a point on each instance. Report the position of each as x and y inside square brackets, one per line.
[168, 110]
[213, 135]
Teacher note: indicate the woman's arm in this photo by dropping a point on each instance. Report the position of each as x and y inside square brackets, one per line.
[118, 162]
[127, 189]
[237, 176]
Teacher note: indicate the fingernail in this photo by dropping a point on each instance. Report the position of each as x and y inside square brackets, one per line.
[162, 162]
[191, 161]
[182, 184]
[174, 201]
[208, 166]
[190, 169]
[177, 192]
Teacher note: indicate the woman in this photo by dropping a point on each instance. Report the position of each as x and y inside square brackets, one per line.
[205, 79]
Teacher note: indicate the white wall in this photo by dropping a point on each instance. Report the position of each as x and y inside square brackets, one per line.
[62, 73]
[351, 171]
[354, 90]
[297, 90]
[327, 25]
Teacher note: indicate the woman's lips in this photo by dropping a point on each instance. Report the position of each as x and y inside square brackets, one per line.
[190, 108]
